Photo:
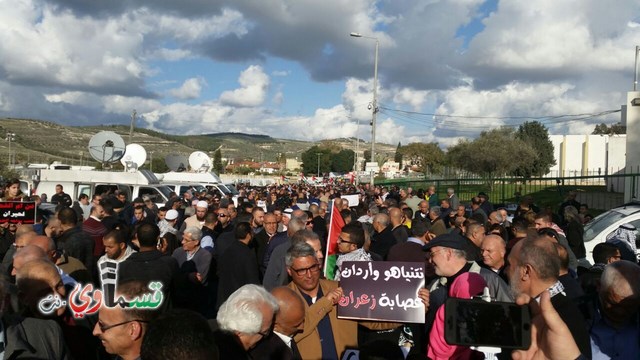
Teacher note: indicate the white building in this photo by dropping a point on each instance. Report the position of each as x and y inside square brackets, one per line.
[582, 155]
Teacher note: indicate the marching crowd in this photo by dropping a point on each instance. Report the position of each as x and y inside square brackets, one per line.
[244, 278]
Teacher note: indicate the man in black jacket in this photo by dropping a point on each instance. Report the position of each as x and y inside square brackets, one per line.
[149, 264]
[75, 242]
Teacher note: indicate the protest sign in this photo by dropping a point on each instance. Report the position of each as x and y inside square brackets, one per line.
[381, 290]
[15, 212]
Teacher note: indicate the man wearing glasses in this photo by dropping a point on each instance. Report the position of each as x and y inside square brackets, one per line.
[324, 336]
[121, 330]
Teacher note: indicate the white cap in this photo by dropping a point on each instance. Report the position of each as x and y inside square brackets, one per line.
[171, 215]
[202, 204]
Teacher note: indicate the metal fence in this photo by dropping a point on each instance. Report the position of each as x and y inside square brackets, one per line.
[599, 192]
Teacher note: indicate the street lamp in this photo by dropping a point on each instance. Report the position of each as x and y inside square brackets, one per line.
[10, 137]
[374, 104]
[319, 154]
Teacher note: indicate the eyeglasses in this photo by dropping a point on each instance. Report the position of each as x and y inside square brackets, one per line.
[431, 254]
[341, 240]
[222, 215]
[265, 333]
[104, 328]
[311, 269]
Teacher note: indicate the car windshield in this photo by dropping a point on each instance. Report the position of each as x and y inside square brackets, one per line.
[232, 188]
[600, 223]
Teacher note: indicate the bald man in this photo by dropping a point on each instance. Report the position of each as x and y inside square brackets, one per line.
[400, 231]
[37, 279]
[26, 254]
[288, 322]
[22, 235]
[494, 249]
[70, 269]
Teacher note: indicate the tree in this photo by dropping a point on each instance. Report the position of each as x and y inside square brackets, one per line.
[428, 158]
[310, 160]
[398, 157]
[217, 162]
[537, 136]
[495, 153]
[614, 129]
[343, 161]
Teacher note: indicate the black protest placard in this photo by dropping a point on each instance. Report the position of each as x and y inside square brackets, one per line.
[15, 212]
[381, 290]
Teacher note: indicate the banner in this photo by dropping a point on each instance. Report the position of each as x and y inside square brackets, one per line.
[381, 290]
[15, 212]
[336, 224]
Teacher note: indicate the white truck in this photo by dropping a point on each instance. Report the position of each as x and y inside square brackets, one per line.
[179, 181]
[76, 182]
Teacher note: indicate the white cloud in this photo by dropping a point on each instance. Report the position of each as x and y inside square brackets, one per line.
[280, 73]
[190, 89]
[255, 84]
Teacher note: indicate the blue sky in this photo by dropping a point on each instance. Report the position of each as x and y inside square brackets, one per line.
[447, 69]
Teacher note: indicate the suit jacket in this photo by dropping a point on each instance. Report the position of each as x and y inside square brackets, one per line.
[276, 273]
[272, 348]
[382, 241]
[238, 267]
[345, 332]
[29, 338]
[76, 243]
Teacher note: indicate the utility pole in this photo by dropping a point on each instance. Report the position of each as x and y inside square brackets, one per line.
[10, 137]
[319, 154]
[133, 123]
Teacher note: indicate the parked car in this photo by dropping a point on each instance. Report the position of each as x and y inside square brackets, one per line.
[597, 230]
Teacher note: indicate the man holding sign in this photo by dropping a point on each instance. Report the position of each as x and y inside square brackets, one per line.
[324, 335]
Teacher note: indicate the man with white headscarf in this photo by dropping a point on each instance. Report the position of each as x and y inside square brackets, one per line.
[625, 239]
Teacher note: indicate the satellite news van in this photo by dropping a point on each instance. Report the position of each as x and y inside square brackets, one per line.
[107, 147]
[180, 180]
[76, 182]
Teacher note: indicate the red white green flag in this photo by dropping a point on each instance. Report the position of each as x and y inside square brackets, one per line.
[336, 224]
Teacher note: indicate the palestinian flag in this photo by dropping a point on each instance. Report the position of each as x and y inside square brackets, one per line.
[335, 228]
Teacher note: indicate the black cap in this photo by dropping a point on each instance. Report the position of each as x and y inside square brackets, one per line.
[453, 241]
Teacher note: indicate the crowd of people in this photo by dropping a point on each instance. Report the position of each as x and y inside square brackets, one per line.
[244, 278]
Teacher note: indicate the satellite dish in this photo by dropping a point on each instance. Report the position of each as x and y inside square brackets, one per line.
[176, 162]
[134, 157]
[106, 147]
[199, 161]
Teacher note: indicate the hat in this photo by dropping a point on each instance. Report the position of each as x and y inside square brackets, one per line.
[171, 215]
[202, 204]
[452, 241]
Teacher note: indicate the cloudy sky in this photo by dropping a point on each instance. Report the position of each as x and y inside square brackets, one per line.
[289, 69]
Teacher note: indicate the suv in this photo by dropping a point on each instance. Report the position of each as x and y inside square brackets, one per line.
[597, 230]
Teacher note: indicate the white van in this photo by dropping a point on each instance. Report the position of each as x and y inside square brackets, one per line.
[76, 182]
[186, 180]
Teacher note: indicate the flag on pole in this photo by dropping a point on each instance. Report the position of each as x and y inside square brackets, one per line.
[336, 223]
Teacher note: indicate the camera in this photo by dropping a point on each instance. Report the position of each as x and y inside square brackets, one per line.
[476, 322]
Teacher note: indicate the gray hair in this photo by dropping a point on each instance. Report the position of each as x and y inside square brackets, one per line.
[196, 234]
[543, 257]
[241, 312]
[571, 213]
[304, 235]
[382, 219]
[621, 277]
[436, 210]
[296, 225]
[499, 217]
[461, 254]
[299, 250]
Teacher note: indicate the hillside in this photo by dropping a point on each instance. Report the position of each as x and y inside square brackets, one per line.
[44, 142]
